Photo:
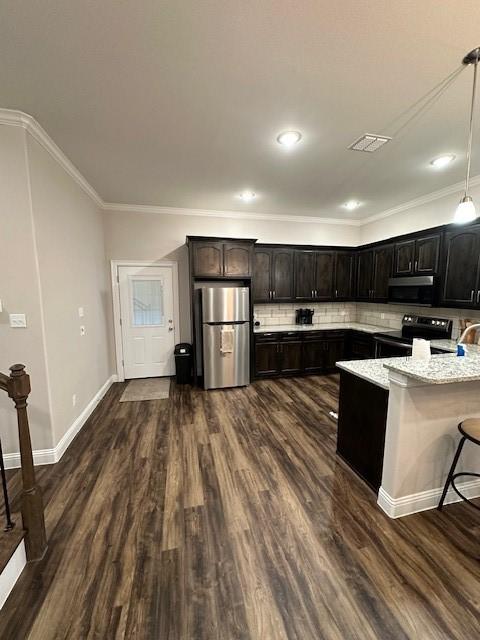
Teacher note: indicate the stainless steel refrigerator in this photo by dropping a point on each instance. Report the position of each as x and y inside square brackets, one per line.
[226, 337]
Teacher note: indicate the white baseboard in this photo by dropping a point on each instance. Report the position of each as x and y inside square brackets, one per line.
[50, 456]
[12, 571]
[406, 505]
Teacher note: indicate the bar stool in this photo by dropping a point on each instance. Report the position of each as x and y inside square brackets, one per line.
[470, 430]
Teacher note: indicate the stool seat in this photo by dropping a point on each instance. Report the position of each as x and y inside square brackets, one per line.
[471, 428]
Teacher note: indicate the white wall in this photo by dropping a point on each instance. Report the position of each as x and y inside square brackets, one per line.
[19, 292]
[52, 261]
[73, 273]
[156, 236]
[417, 218]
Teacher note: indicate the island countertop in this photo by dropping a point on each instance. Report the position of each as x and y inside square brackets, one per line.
[445, 368]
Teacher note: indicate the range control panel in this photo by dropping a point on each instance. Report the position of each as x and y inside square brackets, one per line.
[426, 323]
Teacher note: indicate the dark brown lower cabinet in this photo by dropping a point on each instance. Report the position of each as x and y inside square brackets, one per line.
[291, 357]
[290, 353]
[266, 359]
[360, 346]
[362, 419]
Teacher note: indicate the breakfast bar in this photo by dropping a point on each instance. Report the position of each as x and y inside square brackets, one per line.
[420, 404]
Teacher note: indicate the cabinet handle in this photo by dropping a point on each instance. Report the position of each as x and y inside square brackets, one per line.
[472, 295]
[273, 293]
[416, 265]
[336, 293]
[312, 292]
[316, 294]
[410, 265]
[478, 296]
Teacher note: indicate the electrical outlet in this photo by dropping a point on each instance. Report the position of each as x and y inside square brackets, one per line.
[18, 320]
[82, 330]
[74, 399]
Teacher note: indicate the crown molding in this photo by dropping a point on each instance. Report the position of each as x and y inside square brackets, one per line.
[236, 215]
[418, 202]
[17, 118]
[20, 119]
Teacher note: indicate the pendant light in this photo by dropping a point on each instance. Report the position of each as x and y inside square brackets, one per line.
[466, 209]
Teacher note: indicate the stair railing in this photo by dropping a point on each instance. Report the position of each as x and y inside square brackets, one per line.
[17, 386]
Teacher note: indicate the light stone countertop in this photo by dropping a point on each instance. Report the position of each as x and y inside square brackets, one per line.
[330, 326]
[441, 369]
[445, 368]
[373, 371]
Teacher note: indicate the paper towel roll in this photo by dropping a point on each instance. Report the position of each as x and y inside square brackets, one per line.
[421, 349]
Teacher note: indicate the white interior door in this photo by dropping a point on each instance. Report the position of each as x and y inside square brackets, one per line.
[146, 312]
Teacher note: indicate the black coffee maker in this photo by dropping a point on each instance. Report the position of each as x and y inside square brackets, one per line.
[304, 316]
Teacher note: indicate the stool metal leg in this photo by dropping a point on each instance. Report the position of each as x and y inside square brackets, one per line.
[451, 472]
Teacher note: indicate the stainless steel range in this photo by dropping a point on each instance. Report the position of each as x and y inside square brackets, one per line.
[399, 343]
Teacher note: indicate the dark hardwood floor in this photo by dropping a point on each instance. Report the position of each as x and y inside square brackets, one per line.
[226, 515]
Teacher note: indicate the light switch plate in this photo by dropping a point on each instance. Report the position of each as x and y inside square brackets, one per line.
[81, 312]
[18, 320]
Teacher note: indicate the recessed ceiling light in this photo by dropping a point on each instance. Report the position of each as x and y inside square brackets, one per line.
[442, 161]
[289, 139]
[247, 196]
[352, 204]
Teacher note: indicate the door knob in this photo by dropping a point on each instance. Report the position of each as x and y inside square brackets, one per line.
[170, 328]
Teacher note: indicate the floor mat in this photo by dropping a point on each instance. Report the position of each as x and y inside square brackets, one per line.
[146, 389]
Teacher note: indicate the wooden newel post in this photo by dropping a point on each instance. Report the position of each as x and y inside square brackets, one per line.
[32, 503]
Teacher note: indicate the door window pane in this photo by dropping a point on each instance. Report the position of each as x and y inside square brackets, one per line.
[147, 301]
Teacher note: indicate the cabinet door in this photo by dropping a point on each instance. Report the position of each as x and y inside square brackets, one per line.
[426, 255]
[291, 357]
[237, 260]
[361, 346]
[304, 275]
[314, 355]
[208, 259]
[404, 258]
[344, 276]
[460, 281]
[364, 275]
[382, 272]
[267, 359]
[324, 271]
[282, 275]
[262, 274]
[335, 351]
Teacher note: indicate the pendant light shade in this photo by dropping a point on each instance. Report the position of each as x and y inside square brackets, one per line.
[466, 211]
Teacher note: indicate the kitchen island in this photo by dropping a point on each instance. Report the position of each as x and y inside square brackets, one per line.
[403, 415]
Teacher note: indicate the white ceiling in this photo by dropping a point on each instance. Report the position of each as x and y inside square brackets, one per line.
[178, 102]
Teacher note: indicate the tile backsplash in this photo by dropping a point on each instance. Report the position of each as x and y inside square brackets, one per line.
[284, 314]
[382, 315]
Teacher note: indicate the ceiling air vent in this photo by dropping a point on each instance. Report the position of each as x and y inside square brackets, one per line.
[369, 142]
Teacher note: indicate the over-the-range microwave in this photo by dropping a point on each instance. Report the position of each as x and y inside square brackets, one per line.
[415, 290]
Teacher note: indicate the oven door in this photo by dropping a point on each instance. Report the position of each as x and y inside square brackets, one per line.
[417, 290]
[385, 348]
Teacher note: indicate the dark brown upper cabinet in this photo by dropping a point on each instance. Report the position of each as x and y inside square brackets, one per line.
[221, 259]
[314, 275]
[272, 274]
[382, 272]
[461, 271]
[282, 275]
[324, 274]
[262, 275]
[208, 259]
[374, 268]
[364, 275]
[304, 275]
[417, 257]
[344, 272]
[237, 260]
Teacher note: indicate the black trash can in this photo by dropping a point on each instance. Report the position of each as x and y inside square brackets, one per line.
[183, 363]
